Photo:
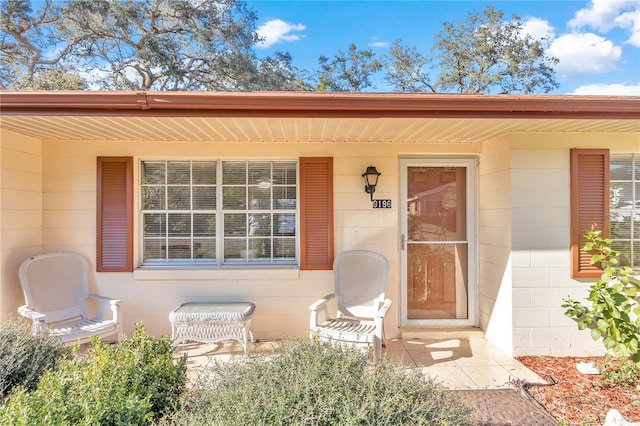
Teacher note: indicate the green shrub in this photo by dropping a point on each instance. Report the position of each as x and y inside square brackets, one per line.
[25, 356]
[306, 383]
[613, 309]
[133, 383]
[619, 372]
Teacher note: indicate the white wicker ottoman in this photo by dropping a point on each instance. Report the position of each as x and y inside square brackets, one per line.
[212, 322]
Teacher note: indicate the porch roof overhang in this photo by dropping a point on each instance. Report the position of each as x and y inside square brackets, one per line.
[307, 117]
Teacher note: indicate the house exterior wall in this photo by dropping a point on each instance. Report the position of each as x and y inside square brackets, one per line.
[48, 203]
[20, 213]
[540, 257]
[282, 296]
[494, 242]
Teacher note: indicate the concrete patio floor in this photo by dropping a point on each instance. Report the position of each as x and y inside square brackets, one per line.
[455, 362]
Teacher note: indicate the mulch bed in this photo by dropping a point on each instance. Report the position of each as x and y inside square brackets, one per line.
[575, 398]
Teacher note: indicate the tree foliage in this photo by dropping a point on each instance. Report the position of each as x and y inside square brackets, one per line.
[142, 44]
[348, 72]
[405, 69]
[486, 53]
[209, 45]
[29, 45]
[55, 78]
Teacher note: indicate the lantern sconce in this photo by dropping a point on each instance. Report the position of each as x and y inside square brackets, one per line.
[371, 180]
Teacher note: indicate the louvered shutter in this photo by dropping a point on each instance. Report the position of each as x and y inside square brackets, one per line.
[589, 204]
[316, 211]
[115, 214]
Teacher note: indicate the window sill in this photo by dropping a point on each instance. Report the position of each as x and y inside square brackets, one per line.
[194, 273]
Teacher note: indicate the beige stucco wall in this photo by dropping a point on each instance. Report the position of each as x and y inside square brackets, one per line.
[20, 212]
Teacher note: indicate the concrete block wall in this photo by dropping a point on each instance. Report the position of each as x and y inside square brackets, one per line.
[524, 241]
[540, 255]
[494, 232]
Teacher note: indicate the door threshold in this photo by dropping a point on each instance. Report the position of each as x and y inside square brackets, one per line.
[445, 332]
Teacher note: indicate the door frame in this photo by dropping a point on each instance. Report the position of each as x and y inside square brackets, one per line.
[471, 164]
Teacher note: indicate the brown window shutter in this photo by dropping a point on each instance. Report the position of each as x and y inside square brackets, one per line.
[589, 204]
[115, 214]
[316, 211]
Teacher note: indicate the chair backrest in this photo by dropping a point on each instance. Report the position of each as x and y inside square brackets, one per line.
[56, 284]
[360, 280]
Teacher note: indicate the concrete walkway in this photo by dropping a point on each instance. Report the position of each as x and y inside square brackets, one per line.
[461, 363]
[456, 363]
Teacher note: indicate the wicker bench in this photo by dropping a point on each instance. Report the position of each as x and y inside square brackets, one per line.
[212, 322]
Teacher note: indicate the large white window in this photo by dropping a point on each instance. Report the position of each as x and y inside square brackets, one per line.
[624, 207]
[218, 212]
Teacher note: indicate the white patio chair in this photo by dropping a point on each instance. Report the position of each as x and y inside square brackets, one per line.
[360, 279]
[56, 288]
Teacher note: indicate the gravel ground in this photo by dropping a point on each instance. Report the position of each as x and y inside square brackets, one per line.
[505, 407]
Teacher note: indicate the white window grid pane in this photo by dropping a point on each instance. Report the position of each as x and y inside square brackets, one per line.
[171, 236]
[266, 195]
[624, 207]
[259, 240]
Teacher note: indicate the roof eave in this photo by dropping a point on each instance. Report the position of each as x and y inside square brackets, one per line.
[314, 104]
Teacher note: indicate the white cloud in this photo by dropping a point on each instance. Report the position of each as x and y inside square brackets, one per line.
[604, 15]
[581, 54]
[630, 21]
[538, 28]
[378, 44]
[608, 89]
[277, 31]
[600, 14]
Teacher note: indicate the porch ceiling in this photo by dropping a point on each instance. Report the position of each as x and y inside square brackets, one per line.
[306, 117]
[300, 129]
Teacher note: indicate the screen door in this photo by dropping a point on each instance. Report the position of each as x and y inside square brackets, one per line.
[437, 241]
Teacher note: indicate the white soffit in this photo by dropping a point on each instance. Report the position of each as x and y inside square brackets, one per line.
[217, 129]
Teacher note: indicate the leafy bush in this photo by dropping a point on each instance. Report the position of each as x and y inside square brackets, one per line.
[619, 372]
[25, 356]
[135, 382]
[614, 314]
[314, 383]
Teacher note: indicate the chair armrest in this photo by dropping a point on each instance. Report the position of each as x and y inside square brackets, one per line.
[37, 317]
[321, 302]
[383, 310]
[106, 302]
[318, 308]
[103, 299]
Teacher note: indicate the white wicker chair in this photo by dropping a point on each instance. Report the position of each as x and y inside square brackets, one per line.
[360, 279]
[55, 287]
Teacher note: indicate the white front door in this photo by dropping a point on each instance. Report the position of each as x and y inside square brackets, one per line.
[438, 250]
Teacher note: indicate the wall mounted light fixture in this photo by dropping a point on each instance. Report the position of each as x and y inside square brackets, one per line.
[371, 180]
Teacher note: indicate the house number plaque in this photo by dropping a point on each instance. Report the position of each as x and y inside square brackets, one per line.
[381, 204]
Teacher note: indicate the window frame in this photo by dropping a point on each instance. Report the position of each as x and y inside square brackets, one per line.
[315, 253]
[633, 239]
[248, 211]
[219, 261]
[590, 188]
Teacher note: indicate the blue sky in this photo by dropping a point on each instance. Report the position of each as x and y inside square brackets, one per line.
[597, 41]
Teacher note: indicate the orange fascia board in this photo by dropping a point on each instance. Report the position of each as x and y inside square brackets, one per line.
[315, 104]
